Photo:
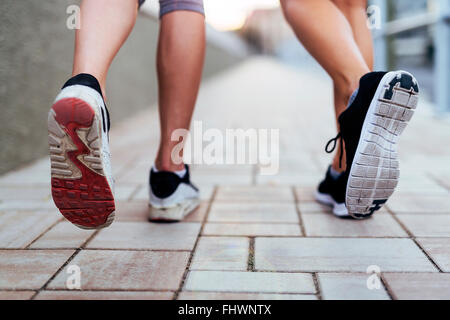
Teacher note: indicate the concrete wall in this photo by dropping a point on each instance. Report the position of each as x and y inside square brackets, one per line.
[36, 51]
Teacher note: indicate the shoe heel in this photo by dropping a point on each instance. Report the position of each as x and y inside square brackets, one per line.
[79, 188]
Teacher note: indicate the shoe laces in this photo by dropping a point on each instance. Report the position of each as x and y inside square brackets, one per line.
[333, 142]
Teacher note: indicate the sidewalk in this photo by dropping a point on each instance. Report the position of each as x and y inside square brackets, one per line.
[254, 237]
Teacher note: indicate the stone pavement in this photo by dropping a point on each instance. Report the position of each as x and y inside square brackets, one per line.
[254, 236]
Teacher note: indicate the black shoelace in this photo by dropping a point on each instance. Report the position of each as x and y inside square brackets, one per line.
[334, 141]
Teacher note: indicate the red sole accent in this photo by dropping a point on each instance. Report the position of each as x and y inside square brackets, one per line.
[88, 201]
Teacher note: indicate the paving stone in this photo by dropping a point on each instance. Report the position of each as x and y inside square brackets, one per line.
[206, 192]
[25, 192]
[427, 225]
[199, 214]
[37, 173]
[439, 250]
[339, 254]
[103, 295]
[327, 225]
[289, 178]
[422, 204]
[19, 228]
[251, 229]
[16, 295]
[313, 207]
[126, 270]
[63, 235]
[252, 193]
[29, 269]
[349, 286]
[253, 212]
[230, 179]
[136, 210]
[123, 192]
[258, 282]
[305, 194]
[198, 295]
[154, 236]
[20, 205]
[419, 286]
[221, 253]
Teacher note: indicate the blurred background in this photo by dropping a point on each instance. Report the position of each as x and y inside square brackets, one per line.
[36, 57]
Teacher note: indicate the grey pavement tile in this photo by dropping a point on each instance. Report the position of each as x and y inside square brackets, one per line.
[439, 250]
[200, 295]
[126, 270]
[103, 295]
[427, 225]
[19, 228]
[327, 225]
[339, 254]
[254, 193]
[251, 229]
[253, 212]
[350, 286]
[140, 235]
[63, 235]
[221, 253]
[419, 286]
[30, 269]
[256, 282]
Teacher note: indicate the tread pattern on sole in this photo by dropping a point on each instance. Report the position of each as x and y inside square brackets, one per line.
[79, 188]
[375, 170]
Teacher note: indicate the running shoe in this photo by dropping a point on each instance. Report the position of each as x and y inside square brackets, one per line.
[171, 197]
[81, 179]
[370, 128]
[328, 193]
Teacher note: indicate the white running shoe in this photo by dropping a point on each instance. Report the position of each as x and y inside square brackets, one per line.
[171, 197]
[82, 183]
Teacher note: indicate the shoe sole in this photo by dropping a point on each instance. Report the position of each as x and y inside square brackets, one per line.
[173, 214]
[80, 189]
[339, 210]
[375, 172]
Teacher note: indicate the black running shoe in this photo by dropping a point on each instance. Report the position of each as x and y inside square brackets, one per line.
[371, 127]
[171, 197]
[328, 193]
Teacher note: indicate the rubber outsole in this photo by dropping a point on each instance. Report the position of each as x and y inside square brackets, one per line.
[338, 209]
[173, 214]
[80, 190]
[375, 172]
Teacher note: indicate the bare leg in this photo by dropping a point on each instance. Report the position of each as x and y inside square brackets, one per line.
[355, 13]
[105, 25]
[181, 52]
[328, 36]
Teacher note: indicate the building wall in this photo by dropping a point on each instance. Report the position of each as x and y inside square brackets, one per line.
[36, 51]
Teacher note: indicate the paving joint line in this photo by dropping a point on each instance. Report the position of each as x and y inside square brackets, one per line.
[43, 233]
[191, 256]
[317, 285]
[299, 215]
[44, 286]
[251, 255]
[414, 239]
[387, 287]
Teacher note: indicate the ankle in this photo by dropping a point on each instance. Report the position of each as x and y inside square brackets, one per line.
[168, 166]
[346, 84]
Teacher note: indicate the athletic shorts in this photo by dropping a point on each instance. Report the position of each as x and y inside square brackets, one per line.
[167, 6]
